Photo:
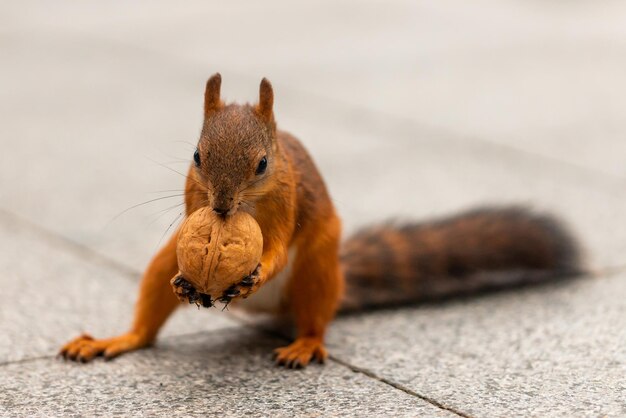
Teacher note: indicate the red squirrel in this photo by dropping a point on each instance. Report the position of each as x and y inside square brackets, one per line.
[244, 163]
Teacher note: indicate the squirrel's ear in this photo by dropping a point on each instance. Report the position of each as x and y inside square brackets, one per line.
[266, 100]
[212, 100]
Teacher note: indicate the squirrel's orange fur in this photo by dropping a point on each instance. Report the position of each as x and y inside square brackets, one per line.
[383, 265]
[291, 205]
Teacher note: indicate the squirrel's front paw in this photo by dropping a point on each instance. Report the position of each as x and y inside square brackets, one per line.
[187, 293]
[247, 286]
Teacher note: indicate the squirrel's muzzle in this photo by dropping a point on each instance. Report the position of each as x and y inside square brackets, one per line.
[223, 203]
[221, 211]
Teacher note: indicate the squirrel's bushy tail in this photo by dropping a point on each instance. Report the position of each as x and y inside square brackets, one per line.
[482, 249]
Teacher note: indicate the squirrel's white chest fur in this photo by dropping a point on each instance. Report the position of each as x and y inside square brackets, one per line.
[270, 298]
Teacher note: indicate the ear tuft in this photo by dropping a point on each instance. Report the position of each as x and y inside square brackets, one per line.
[266, 100]
[212, 100]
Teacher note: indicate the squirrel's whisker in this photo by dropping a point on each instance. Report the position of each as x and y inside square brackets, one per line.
[158, 215]
[143, 203]
[176, 171]
[167, 230]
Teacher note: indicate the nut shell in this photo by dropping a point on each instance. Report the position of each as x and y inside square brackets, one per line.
[215, 253]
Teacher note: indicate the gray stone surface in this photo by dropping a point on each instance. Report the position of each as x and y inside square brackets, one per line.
[86, 132]
[131, 88]
[545, 79]
[558, 350]
[421, 177]
[412, 109]
[50, 294]
[225, 373]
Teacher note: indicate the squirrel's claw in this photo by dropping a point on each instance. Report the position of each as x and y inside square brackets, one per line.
[247, 281]
[85, 348]
[187, 293]
[244, 288]
[300, 353]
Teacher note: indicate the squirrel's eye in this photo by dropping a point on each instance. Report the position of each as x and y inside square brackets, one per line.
[196, 158]
[262, 166]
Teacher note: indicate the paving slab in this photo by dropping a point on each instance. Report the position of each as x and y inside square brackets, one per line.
[225, 373]
[551, 351]
[95, 149]
[414, 177]
[51, 294]
[439, 105]
[543, 79]
[124, 157]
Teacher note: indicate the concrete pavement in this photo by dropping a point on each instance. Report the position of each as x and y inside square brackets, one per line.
[411, 109]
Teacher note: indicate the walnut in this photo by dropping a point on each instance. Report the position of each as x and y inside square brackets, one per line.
[216, 253]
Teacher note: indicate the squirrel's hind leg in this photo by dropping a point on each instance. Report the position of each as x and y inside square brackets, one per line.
[313, 292]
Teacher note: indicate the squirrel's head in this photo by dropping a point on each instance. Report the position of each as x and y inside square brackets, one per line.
[237, 152]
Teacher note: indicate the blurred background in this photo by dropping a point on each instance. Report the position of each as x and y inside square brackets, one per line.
[412, 110]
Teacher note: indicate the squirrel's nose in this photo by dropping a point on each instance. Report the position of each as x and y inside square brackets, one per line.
[221, 211]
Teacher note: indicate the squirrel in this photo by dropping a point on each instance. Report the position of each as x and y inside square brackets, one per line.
[244, 163]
